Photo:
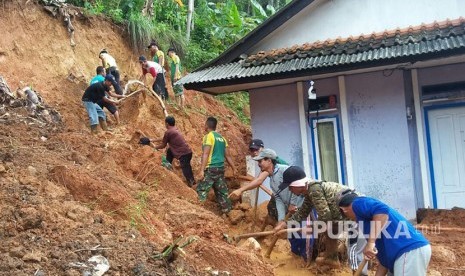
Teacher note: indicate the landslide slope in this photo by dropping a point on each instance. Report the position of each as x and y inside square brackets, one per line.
[64, 192]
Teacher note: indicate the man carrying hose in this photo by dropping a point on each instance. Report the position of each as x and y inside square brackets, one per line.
[156, 71]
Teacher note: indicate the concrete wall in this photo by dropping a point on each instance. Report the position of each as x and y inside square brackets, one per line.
[379, 139]
[275, 120]
[342, 18]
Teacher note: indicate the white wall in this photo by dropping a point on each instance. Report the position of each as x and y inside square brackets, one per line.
[441, 74]
[379, 139]
[275, 120]
[342, 18]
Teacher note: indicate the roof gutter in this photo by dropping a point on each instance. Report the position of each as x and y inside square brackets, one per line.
[245, 84]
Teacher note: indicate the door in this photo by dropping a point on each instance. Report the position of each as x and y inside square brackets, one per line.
[326, 148]
[447, 155]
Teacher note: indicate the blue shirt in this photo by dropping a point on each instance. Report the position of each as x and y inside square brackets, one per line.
[97, 78]
[390, 246]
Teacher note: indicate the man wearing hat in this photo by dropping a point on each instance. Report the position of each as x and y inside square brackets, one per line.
[159, 85]
[320, 195]
[391, 238]
[109, 63]
[257, 145]
[95, 93]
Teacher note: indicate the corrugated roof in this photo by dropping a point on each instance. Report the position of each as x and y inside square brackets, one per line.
[437, 37]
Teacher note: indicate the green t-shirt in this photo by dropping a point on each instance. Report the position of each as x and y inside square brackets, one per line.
[173, 61]
[157, 57]
[281, 161]
[218, 147]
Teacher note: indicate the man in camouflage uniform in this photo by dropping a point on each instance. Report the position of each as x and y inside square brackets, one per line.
[214, 152]
[320, 195]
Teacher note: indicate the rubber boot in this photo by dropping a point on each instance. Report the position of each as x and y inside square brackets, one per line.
[93, 129]
[103, 124]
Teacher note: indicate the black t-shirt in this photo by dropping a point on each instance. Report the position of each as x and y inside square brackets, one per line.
[95, 92]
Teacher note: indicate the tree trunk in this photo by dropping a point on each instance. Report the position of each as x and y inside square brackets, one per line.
[148, 8]
[190, 11]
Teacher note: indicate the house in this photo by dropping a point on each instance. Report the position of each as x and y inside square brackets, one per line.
[389, 113]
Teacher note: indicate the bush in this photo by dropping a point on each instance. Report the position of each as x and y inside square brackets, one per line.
[239, 103]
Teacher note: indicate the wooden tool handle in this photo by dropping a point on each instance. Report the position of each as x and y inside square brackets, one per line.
[360, 267]
[275, 239]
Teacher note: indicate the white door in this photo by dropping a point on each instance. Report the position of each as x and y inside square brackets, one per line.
[447, 134]
[328, 162]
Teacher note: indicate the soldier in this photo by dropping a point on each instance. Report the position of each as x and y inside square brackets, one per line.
[319, 195]
[214, 152]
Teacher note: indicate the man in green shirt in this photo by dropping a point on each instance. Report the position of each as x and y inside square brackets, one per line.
[175, 74]
[157, 55]
[214, 153]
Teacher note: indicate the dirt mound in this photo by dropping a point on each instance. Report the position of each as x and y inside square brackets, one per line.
[444, 218]
[66, 196]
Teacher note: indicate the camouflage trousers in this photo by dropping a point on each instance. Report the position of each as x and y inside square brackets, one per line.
[214, 177]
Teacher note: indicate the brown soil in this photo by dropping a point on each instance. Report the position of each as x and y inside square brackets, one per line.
[63, 191]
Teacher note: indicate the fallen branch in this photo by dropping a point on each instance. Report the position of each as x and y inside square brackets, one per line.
[132, 94]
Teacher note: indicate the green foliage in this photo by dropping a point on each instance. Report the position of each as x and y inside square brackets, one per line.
[217, 24]
[140, 30]
[196, 56]
[137, 210]
[239, 103]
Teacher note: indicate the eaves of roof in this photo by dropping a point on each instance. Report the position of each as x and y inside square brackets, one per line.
[439, 39]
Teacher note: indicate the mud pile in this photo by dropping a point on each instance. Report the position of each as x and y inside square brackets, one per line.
[66, 196]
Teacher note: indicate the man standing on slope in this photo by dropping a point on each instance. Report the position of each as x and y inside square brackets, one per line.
[178, 148]
[109, 63]
[214, 152]
[156, 71]
[109, 106]
[93, 94]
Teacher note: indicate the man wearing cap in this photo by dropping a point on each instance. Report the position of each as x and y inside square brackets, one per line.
[156, 71]
[157, 55]
[320, 195]
[93, 94]
[282, 201]
[109, 106]
[178, 148]
[109, 63]
[257, 145]
[214, 152]
[391, 238]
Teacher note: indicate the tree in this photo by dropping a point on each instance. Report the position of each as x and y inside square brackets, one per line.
[190, 12]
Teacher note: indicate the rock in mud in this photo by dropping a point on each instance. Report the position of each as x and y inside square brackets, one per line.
[235, 216]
